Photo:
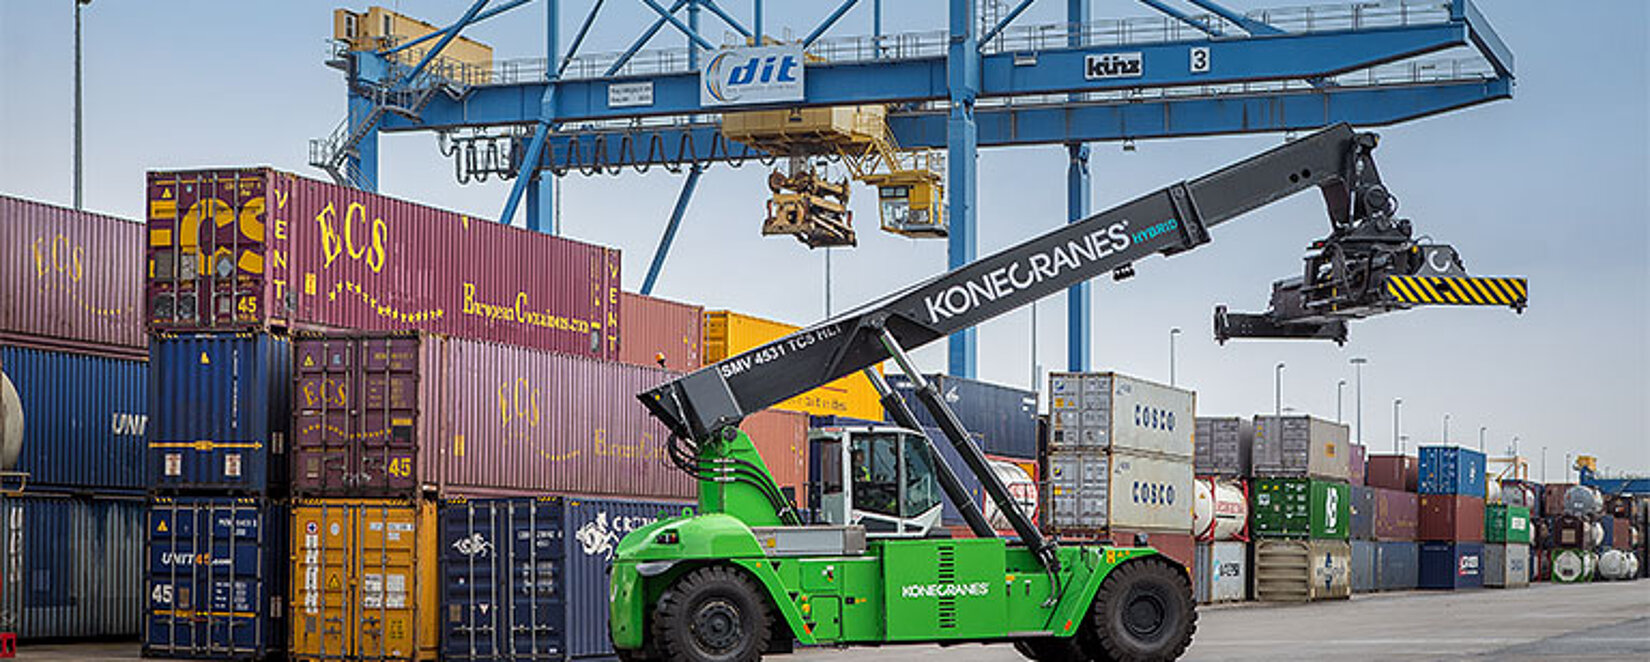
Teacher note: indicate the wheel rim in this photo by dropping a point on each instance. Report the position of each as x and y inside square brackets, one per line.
[1144, 615]
[717, 627]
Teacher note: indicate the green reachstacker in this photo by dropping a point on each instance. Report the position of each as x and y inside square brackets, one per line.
[864, 564]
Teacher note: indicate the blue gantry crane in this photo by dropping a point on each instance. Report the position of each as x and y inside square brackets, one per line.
[1194, 68]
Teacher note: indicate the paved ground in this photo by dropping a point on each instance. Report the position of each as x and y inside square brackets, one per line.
[1544, 622]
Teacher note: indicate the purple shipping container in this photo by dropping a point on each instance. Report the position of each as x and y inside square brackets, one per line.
[1357, 455]
[401, 414]
[255, 248]
[71, 278]
[1397, 514]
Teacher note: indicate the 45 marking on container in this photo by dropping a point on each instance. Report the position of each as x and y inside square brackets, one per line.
[400, 467]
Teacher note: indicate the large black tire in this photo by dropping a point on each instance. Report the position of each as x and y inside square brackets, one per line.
[713, 614]
[1143, 613]
[1051, 649]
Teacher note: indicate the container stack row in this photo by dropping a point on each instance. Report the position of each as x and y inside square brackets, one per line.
[73, 397]
[1301, 509]
[1452, 486]
[1119, 456]
[1387, 514]
[1583, 535]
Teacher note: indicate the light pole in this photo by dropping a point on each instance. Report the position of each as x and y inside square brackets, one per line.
[1515, 446]
[1277, 382]
[1396, 425]
[1481, 430]
[1358, 367]
[1543, 465]
[1339, 386]
[78, 198]
[1175, 331]
[1403, 442]
[1446, 429]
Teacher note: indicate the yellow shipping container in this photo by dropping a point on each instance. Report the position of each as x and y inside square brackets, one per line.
[728, 333]
[364, 580]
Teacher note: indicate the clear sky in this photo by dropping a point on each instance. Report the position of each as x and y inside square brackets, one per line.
[1552, 184]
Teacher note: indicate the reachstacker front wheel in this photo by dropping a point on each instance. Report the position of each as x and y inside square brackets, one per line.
[714, 614]
[1144, 612]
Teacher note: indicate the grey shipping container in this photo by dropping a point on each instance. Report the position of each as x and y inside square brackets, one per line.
[1111, 411]
[1363, 512]
[72, 567]
[1004, 417]
[1222, 446]
[1221, 572]
[1302, 570]
[1301, 446]
[1507, 565]
[1398, 565]
[84, 419]
[1365, 560]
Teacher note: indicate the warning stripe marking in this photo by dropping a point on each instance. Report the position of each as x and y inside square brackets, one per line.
[1459, 291]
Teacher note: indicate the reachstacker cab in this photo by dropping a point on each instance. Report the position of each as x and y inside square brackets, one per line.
[749, 574]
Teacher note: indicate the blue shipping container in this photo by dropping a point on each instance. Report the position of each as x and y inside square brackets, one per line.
[1398, 566]
[1005, 417]
[83, 419]
[527, 578]
[72, 567]
[1609, 524]
[216, 578]
[1365, 560]
[219, 409]
[1451, 470]
[502, 579]
[1452, 565]
[1363, 512]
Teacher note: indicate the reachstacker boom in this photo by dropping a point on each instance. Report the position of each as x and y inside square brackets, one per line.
[750, 574]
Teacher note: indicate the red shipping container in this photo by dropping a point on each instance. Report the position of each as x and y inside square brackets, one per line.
[1392, 472]
[1622, 534]
[654, 327]
[1451, 517]
[256, 248]
[782, 439]
[70, 279]
[410, 414]
[1552, 498]
[1358, 459]
[1182, 547]
[1396, 514]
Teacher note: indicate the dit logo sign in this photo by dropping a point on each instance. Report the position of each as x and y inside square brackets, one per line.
[765, 74]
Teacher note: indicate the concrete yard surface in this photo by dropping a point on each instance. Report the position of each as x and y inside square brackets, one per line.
[1544, 622]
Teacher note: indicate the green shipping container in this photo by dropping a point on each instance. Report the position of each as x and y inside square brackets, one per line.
[1506, 524]
[1301, 508]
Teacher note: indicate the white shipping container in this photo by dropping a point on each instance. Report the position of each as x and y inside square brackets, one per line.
[1222, 572]
[1109, 411]
[1150, 493]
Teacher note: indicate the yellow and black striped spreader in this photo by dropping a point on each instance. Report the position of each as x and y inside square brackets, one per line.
[1459, 290]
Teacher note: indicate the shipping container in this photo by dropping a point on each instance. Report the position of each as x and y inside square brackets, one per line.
[1452, 470]
[1622, 538]
[1552, 498]
[73, 567]
[1541, 565]
[1572, 566]
[1392, 472]
[658, 328]
[1300, 508]
[1397, 515]
[71, 279]
[84, 419]
[1362, 512]
[1524, 494]
[1300, 446]
[1451, 517]
[1398, 565]
[1110, 411]
[364, 580]
[1583, 501]
[1358, 464]
[1364, 562]
[728, 334]
[254, 248]
[593, 530]
[503, 580]
[781, 437]
[403, 414]
[1091, 491]
[216, 578]
[1004, 417]
[219, 412]
[1451, 565]
[1616, 565]
[1506, 524]
[1506, 565]
[1221, 509]
[1569, 531]
[1222, 572]
[1302, 570]
[1222, 446]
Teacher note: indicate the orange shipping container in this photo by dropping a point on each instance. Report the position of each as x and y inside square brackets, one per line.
[782, 439]
[654, 327]
[728, 333]
[364, 580]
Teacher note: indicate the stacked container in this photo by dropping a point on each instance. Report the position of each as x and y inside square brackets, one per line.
[1220, 523]
[728, 334]
[1301, 509]
[1120, 454]
[1506, 546]
[73, 391]
[1452, 486]
[1392, 480]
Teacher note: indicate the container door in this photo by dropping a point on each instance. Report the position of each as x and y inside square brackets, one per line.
[386, 572]
[534, 581]
[472, 562]
[323, 428]
[324, 623]
[387, 415]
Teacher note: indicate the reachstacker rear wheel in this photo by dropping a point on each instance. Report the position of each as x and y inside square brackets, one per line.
[1144, 612]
